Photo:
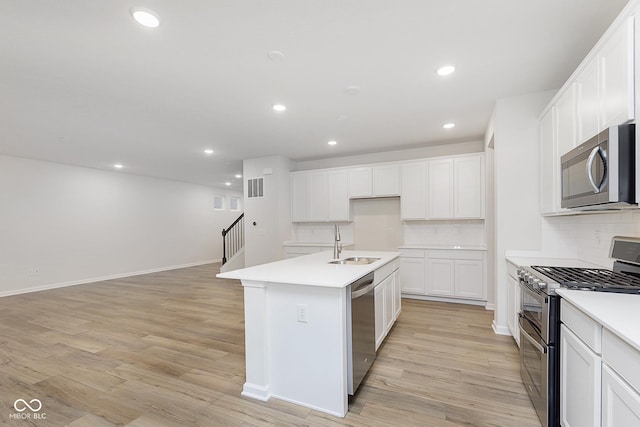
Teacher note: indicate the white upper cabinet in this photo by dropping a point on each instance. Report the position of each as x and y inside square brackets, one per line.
[616, 60]
[441, 189]
[414, 190]
[566, 121]
[549, 165]
[456, 187]
[374, 181]
[386, 180]
[338, 195]
[468, 187]
[599, 95]
[360, 184]
[319, 196]
[587, 105]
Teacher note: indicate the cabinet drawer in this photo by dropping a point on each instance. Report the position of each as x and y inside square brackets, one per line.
[512, 270]
[582, 325]
[383, 272]
[455, 254]
[412, 253]
[622, 358]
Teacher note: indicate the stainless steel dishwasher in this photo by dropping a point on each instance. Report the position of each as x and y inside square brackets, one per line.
[361, 334]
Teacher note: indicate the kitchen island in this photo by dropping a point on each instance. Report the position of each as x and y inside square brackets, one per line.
[296, 326]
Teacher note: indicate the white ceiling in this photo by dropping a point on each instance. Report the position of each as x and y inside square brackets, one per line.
[82, 83]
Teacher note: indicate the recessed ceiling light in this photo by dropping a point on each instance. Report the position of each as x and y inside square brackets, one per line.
[448, 125]
[351, 90]
[445, 70]
[208, 151]
[332, 142]
[145, 18]
[279, 107]
[227, 183]
[238, 176]
[118, 166]
[276, 56]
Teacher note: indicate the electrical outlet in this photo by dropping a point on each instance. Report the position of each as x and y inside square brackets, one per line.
[302, 313]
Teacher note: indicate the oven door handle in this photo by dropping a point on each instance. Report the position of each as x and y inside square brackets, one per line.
[540, 348]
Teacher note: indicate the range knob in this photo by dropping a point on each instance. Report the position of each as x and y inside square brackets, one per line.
[520, 273]
[536, 283]
[542, 285]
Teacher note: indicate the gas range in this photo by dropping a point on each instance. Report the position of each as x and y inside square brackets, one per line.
[547, 279]
[624, 278]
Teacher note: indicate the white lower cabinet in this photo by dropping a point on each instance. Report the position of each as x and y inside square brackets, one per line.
[387, 301]
[440, 277]
[513, 308]
[412, 273]
[599, 374]
[620, 403]
[580, 378]
[380, 324]
[397, 294]
[455, 275]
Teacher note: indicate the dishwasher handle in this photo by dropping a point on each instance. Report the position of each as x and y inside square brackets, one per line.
[362, 286]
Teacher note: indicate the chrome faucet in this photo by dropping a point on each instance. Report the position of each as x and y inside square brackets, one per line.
[337, 247]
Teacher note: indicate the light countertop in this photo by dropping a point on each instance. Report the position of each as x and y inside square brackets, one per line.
[619, 313]
[315, 244]
[313, 269]
[445, 247]
[521, 261]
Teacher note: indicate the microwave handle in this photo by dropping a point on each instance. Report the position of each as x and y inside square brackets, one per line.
[590, 161]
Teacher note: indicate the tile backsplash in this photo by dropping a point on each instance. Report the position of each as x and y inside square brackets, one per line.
[466, 232]
[588, 236]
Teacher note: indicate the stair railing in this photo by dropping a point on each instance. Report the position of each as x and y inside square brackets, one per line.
[233, 238]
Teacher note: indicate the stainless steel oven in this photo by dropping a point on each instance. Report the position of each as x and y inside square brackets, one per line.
[600, 173]
[539, 355]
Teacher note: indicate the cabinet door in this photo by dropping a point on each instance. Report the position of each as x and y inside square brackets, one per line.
[440, 277]
[413, 191]
[518, 296]
[318, 197]
[620, 403]
[386, 180]
[379, 308]
[512, 284]
[388, 304]
[565, 122]
[412, 275]
[397, 296]
[468, 187]
[587, 102]
[616, 76]
[549, 162]
[360, 182]
[580, 382]
[441, 188]
[338, 196]
[469, 279]
[300, 187]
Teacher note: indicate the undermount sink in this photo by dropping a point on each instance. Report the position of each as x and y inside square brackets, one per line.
[356, 260]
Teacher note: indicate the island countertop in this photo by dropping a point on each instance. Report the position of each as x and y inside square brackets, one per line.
[313, 269]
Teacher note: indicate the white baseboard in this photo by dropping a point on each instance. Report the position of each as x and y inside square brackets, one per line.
[490, 306]
[445, 299]
[500, 330]
[103, 278]
[255, 391]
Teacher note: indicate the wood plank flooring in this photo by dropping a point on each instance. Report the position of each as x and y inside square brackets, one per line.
[167, 349]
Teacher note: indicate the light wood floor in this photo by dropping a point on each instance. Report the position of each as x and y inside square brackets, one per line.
[167, 349]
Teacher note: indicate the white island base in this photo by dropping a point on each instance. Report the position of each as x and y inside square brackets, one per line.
[295, 314]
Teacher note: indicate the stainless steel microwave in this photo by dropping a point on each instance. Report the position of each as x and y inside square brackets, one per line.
[600, 173]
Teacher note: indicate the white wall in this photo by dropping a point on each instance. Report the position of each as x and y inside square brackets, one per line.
[444, 149]
[271, 213]
[63, 224]
[515, 127]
